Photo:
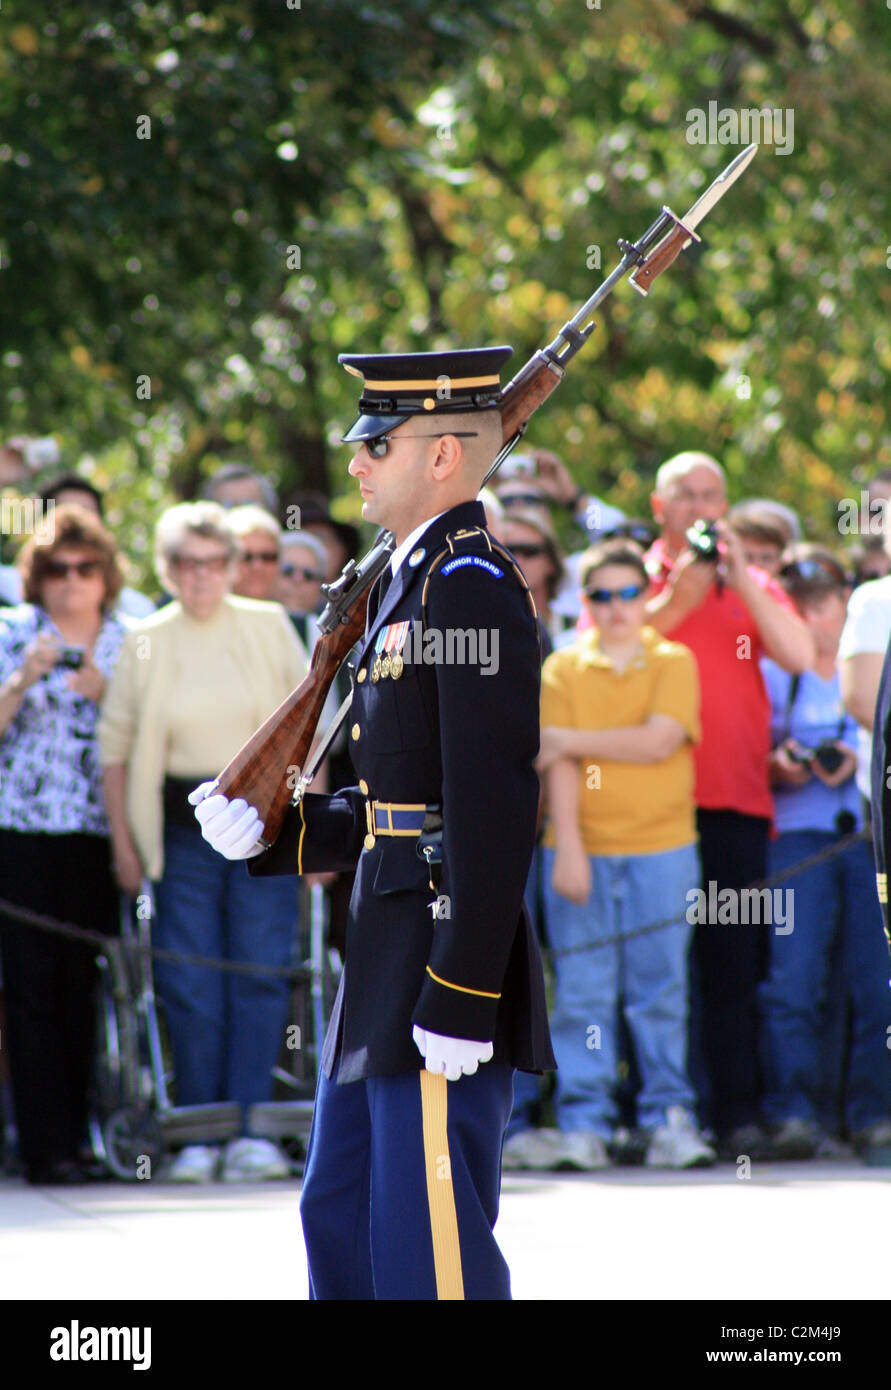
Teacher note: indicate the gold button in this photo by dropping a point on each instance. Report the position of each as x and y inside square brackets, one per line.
[355, 731]
[361, 676]
[363, 786]
[369, 841]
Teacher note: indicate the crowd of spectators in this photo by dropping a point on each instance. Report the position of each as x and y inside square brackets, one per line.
[783, 1017]
[708, 685]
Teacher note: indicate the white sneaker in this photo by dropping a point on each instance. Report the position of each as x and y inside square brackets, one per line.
[582, 1150]
[253, 1160]
[194, 1163]
[678, 1143]
[533, 1149]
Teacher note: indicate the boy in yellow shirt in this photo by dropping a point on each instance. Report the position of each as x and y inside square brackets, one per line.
[620, 712]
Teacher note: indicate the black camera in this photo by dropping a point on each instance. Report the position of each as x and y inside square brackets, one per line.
[827, 753]
[702, 538]
[71, 658]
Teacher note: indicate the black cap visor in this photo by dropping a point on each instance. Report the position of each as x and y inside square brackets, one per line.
[370, 426]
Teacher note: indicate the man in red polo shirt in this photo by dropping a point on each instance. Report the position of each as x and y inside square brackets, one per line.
[729, 614]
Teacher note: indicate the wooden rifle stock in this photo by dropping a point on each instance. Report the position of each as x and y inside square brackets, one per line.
[266, 770]
[522, 396]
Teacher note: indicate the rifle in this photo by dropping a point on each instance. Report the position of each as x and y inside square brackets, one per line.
[270, 771]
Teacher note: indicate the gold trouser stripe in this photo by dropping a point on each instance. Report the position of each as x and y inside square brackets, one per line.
[431, 385]
[440, 1192]
[300, 840]
[484, 993]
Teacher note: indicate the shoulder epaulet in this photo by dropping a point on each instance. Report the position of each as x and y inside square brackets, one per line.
[468, 546]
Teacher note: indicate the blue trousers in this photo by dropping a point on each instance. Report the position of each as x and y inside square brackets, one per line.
[648, 974]
[527, 1087]
[401, 1188]
[226, 1030]
[833, 900]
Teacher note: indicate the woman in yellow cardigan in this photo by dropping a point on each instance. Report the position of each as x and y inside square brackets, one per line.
[193, 682]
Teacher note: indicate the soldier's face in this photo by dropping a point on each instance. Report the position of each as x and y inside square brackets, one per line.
[396, 489]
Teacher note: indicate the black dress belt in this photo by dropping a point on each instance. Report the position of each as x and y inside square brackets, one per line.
[175, 799]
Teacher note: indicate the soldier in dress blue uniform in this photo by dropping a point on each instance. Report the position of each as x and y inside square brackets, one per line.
[442, 993]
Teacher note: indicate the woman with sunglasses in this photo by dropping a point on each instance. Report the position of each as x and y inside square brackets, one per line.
[193, 683]
[301, 575]
[259, 540]
[57, 650]
[531, 540]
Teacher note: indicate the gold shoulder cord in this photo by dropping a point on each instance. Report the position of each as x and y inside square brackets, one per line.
[449, 549]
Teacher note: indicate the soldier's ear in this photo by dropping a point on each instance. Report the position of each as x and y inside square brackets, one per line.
[449, 457]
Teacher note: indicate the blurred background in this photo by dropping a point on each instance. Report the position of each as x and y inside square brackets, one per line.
[201, 205]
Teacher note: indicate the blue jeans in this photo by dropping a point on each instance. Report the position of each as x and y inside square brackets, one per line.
[835, 898]
[648, 973]
[226, 1030]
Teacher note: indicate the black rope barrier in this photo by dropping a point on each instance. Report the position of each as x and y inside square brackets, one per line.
[101, 941]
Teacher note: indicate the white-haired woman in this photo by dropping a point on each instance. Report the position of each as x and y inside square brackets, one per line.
[259, 539]
[193, 683]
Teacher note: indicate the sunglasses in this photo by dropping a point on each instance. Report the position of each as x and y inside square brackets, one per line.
[259, 557]
[631, 531]
[526, 550]
[627, 594]
[379, 448]
[523, 499]
[85, 569]
[814, 569]
[190, 564]
[289, 571]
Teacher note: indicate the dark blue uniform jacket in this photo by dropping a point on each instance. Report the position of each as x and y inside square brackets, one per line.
[445, 734]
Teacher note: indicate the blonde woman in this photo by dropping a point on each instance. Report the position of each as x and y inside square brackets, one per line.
[193, 683]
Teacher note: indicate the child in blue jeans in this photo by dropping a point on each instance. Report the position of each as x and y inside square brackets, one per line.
[620, 711]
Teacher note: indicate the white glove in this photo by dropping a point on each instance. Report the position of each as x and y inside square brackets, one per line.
[451, 1056]
[232, 828]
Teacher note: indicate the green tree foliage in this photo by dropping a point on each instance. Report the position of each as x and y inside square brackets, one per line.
[371, 177]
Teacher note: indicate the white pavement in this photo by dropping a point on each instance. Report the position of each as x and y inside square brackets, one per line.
[811, 1230]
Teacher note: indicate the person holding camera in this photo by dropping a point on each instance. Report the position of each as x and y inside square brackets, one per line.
[729, 614]
[57, 650]
[812, 769]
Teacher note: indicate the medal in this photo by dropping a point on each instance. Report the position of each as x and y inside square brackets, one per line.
[388, 646]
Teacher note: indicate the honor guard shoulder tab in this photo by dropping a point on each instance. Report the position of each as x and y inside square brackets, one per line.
[473, 547]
